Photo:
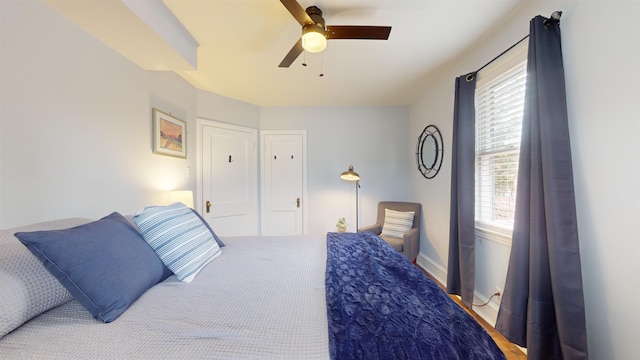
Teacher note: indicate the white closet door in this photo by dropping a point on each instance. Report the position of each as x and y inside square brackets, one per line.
[283, 182]
[229, 185]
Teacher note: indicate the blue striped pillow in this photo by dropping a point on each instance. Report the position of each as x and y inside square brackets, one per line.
[179, 237]
[396, 223]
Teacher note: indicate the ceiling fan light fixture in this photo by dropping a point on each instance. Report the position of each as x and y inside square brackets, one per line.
[314, 39]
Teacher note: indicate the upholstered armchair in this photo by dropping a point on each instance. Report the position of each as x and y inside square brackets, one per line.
[407, 242]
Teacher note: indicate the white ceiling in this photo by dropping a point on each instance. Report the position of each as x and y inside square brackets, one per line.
[241, 43]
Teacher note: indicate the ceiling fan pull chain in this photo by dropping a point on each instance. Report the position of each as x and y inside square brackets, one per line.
[321, 64]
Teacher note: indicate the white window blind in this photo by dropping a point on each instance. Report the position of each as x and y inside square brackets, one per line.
[499, 110]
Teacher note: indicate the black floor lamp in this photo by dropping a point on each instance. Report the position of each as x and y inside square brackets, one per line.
[353, 176]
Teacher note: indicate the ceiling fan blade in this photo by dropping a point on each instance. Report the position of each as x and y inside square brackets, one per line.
[293, 54]
[358, 32]
[297, 11]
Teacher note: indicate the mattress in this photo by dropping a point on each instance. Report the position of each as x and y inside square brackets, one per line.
[263, 298]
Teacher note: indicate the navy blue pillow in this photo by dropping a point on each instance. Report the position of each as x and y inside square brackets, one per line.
[215, 237]
[106, 264]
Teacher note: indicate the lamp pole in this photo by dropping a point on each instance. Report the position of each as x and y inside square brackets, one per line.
[357, 204]
[351, 175]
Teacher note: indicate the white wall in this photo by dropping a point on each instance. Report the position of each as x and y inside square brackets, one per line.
[76, 116]
[220, 108]
[372, 139]
[603, 98]
[601, 50]
[75, 122]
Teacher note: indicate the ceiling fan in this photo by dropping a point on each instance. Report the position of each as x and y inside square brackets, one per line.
[315, 33]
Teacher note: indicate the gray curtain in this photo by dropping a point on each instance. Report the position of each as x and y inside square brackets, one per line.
[542, 307]
[462, 236]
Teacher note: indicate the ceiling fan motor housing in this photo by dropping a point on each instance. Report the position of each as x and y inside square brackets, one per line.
[315, 14]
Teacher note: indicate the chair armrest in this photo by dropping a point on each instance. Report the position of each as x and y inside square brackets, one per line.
[376, 229]
[412, 243]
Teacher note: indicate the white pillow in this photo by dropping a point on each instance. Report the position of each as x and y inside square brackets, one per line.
[27, 288]
[396, 223]
[179, 237]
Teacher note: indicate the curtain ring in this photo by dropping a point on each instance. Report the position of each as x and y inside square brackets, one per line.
[469, 77]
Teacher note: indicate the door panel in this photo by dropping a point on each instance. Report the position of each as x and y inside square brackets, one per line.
[283, 183]
[229, 179]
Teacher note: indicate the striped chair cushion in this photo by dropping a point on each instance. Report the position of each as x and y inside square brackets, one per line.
[396, 223]
[179, 237]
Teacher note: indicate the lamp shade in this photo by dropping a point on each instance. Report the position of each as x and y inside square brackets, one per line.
[314, 39]
[183, 196]
[350, 175]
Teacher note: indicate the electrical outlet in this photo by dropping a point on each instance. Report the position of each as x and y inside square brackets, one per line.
[498, 291]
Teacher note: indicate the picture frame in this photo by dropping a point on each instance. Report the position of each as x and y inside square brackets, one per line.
[169, 135]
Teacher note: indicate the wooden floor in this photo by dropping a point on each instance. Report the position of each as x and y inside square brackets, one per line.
[511, 351]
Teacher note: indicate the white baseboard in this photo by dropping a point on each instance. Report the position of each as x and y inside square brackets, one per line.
[488, 312]
[434, 269]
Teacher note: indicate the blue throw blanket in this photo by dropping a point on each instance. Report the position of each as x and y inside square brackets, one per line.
[380, 306]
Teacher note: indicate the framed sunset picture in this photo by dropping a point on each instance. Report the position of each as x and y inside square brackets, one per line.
[169, 135]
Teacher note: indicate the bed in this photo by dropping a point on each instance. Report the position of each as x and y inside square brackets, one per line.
[339, 296]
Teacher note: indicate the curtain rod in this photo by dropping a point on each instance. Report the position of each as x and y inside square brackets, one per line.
[555, 17]
[502, 53]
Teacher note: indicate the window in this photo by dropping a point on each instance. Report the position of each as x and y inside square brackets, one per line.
[499, 109]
